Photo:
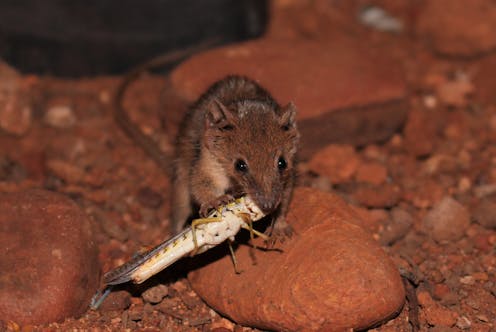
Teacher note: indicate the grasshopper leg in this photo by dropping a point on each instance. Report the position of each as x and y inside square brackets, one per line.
[195, 223]
[235, 262]
[248, 225]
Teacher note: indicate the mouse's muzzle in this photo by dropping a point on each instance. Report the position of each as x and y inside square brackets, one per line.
[267, 203]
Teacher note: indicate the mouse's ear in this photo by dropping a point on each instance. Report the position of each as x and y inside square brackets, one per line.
[287, 116]
[219, 116]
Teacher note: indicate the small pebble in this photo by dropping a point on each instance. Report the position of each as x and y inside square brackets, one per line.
[396, 228]
[447, 220]
[485, 213]
[155, 294]
[373, 173]
[118, 300]
[463, 323]
[65, 170]
[60, 116]
[467, 280]
[430, 101]
[435, 313]
[464, 184]
[169, 305]
[135, 313]
[440, 291]
[455, 93]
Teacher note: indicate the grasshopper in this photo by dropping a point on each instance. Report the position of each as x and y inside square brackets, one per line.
[220, 225]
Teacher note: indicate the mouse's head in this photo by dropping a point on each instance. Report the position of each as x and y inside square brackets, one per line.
[255, 143]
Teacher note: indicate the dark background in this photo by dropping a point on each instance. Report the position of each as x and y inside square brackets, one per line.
[82, 38]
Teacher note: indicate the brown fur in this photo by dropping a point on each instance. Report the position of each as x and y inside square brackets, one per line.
[235, 119]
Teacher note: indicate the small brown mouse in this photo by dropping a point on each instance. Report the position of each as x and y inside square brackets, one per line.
[235, 140]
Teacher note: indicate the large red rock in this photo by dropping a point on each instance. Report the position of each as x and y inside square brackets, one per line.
[343, 93]
[48, 258]
[330, 276]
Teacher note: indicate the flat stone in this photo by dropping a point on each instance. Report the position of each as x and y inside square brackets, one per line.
[458, 27]
[330, 276]
[48, 258]
[342, 93]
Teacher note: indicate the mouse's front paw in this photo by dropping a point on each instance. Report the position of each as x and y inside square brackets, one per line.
[207, 207]
[279, 233]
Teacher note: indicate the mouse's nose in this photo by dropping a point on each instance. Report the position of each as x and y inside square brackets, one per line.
[266, 203]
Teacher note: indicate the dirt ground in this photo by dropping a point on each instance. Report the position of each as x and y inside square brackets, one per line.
[447, 147]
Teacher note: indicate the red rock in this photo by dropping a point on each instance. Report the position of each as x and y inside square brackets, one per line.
[440, 163]
[155, 294]
[485, 213]
[482, 242]
[440, 291]
[363, 99]
[116, 301]
[397, 227]
[455, 93]
[425, 193]
[336, 162]
[330, 276]
[458, 27]
[447, 220]
[48, 258]
[373, 173]
[136, 312]
[65, 170]
[436, 314]
[420, 133]
[383, 196]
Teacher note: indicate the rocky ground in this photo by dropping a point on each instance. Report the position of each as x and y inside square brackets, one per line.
[397, 119]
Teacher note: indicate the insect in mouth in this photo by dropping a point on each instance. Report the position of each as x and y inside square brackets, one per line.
[203, 234]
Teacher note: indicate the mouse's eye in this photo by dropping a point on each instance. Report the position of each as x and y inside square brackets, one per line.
[227, 127]
[282, 164]
[241, 166]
